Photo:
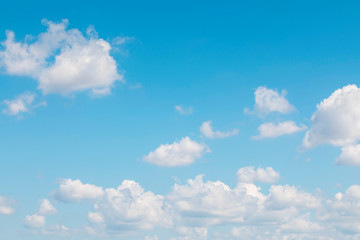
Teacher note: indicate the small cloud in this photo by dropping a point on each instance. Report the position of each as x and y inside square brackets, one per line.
[22, 103]
[34, 221]
[269, 100]
[207, 131]
[251, 175]
[181, 153]
[184, 110]
[46, 208]
[271, 130]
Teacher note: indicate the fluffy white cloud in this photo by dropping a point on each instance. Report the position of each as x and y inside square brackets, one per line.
[5, 208]
[181, 153]
[184, 110]
[350, 155]
[250, 175]
[195, 209]
[34, 221]
[268, 100]
[46, 208]
[74, 190]
[62, 61]
[336, 120]
[22, 103]
[128, 208]
[207, 131]
[301, 224]
[283, 196]
[271, 130]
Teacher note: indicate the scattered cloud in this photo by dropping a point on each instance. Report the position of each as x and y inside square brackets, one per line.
[271, 130]
[184, 110]
[181, 153]
[62, 60]
[207, 131]
[5, 206]
[46, 208]
[21, 104]
[74, 190]
[34, 221]
[251, 175]
[268, 100]
[55, 230]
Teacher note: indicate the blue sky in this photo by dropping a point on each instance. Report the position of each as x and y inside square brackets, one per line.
[112, 111]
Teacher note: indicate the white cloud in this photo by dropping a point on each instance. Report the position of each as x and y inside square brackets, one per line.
[154, 237]
[55, 230]
[271, 130]
[181, 153]
[207, 131]
[250, 175]
[268, 100]
[46, 208]
[22, 103]
[74, 190]
[184, 110]
[350, 155]
[128, 208]
[5, 208]
[195, 209]
[62, 61]
[282, 196]
[336, 120]
[301, 224]
[34, 221]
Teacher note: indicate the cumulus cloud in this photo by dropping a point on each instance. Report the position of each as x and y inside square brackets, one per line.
[181, 153]
[268, 100]
[62, 60]
[336, 120]
[184, 110]
[250, 175]
[46, 208]
[271, 130]
[56, 230]
[5, 206]
[74, 190]
[194, 209]
[22, 103]
[34, 221]
[128, 208]
[207, 131]
[350, 155]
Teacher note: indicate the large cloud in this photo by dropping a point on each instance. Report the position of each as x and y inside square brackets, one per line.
[336, 120]
[181, 153]
[195, 209]
[62, 60]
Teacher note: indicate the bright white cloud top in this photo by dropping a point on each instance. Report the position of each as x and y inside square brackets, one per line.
[272, 130]
[269, 100]
[75, 190]
[336, 120]
[208, 132]
[180, 153]
[62, 60]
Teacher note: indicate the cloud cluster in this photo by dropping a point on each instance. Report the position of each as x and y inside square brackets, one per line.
[62, 60]
[181, 153]
[208, 132]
